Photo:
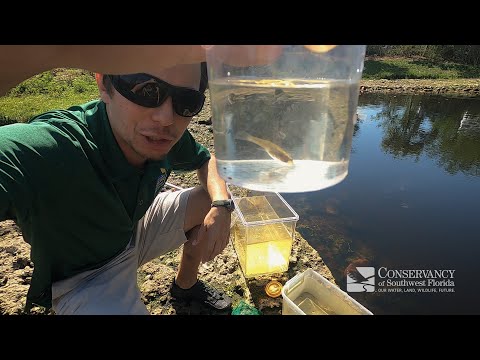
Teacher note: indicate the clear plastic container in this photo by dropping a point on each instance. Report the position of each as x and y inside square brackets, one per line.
[309, 293]
[263, 231]
[285, 126]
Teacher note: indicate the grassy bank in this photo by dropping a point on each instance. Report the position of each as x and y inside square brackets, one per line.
[403, 68]
[56, 89]
[61, 88]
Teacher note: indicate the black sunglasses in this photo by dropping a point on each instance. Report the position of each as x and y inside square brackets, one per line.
[148, 91]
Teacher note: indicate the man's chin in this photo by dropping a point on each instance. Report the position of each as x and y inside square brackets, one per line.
[149, 154]
[155, 156]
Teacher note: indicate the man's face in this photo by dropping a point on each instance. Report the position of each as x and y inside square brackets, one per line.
[149, 133]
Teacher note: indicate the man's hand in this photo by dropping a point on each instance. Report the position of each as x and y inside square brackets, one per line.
[244, 55]
[215, 231]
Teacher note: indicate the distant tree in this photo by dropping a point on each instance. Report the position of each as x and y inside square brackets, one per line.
[463, 54]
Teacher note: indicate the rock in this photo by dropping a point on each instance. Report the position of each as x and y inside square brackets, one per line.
[206, 122]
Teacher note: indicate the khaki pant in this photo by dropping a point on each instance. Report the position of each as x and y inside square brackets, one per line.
[112, 289]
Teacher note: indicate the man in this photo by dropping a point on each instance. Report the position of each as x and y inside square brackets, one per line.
[83, 185]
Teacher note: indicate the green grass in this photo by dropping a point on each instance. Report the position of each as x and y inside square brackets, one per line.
[22, 109]
[55, 89]
[403, 68]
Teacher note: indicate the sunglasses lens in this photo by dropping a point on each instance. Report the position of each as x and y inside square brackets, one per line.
[142, 89]
[188, 102]
[147, 91]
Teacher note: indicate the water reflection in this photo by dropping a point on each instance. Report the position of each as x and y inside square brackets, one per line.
[410, 200]
[445, 129]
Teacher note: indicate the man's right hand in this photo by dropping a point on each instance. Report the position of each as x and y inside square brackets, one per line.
[245, 55]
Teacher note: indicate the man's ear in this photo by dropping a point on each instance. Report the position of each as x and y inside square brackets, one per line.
[104, 95]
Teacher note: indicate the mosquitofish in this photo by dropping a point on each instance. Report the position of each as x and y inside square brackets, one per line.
[320, 48]
[275, 151]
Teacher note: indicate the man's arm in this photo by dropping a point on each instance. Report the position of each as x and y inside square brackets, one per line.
[20, 62]
[211, 180]
[16, 191]
[215, 229]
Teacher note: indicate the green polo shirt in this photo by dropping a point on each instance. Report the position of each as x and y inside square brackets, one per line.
[65, 181]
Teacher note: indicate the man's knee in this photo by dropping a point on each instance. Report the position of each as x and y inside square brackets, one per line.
[198, 206]
[188, 247]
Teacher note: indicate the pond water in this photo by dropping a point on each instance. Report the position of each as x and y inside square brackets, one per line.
[411, 201]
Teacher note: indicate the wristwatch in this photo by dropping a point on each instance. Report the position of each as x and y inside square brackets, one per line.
[228, 203]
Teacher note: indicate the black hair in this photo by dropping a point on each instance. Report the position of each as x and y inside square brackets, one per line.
[108, 84]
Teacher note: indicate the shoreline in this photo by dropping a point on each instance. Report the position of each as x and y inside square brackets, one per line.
[458, 87]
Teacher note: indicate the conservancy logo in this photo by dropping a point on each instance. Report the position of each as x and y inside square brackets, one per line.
[361, 279]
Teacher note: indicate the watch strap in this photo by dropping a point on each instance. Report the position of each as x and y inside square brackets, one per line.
[227, 203]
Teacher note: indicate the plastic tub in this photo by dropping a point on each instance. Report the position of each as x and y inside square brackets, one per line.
[263, 231]
[309, 293]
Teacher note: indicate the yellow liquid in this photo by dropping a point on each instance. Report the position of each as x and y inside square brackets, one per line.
[267, 257]
[266, 250]
[262, 249]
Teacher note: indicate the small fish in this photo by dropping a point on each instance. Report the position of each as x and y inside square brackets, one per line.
[275, 151]
[320, 48]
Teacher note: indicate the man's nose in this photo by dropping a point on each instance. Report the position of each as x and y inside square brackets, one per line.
[164, 114]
